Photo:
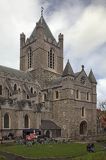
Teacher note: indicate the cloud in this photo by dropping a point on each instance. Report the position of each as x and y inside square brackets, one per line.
[15, 17]
[101, 90]
[89, 31]
[82, 22]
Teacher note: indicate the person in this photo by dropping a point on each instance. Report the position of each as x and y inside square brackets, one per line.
[90, 147]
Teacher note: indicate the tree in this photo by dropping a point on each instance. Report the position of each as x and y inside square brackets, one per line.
[101, 117]
[102, 105]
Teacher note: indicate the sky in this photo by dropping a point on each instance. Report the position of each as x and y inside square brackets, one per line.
[83, 23]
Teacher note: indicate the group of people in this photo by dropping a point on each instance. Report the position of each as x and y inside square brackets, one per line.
[90, 147]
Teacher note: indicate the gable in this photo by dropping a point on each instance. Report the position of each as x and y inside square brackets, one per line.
[81, 79]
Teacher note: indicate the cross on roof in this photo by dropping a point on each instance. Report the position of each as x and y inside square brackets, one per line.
[42, 11]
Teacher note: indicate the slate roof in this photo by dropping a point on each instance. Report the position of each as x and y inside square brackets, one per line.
[15, 73]
[48, 124]
[47, 31]
[56, 81]
[68, 71]
[92, 77]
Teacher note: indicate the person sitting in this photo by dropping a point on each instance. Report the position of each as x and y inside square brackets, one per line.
[90, 147]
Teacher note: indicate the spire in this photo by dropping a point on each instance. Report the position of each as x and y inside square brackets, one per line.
[47, 31]
[68, 71]
[92, 77]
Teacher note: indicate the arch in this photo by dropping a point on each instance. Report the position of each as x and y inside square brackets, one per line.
[48, 133]
[83, 128]
[26, 121]
[6, 120]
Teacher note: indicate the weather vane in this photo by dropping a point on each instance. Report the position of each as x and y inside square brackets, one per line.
[42, 11]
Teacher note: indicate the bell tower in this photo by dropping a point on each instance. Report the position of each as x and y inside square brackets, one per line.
[41, 50]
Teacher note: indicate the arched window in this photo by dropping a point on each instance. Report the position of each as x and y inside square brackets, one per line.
[29, 58]
[26, 121]
[57, 94]
[51, 59]
[27, 96]
[82, 111]
[0, 89]
[31, 90]
[88, 96]
[45, 96]
[15, 87]
[6, 121]
[77, 94]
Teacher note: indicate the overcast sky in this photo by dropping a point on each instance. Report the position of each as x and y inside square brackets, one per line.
[83, 23]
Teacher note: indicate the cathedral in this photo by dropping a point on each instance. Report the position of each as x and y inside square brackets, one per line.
[42, 94]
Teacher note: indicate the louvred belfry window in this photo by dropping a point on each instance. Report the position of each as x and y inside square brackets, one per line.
[51, 59]
[29, 58]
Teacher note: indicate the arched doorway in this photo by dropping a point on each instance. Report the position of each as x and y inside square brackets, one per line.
[83, 128]
[48, 133]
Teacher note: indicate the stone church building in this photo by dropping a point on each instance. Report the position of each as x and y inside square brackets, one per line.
[42, 95]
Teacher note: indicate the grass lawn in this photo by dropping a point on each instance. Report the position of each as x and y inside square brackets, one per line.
[2, 158]
[50, 150]
[93, 156]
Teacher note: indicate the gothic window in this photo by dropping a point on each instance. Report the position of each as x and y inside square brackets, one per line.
[27, 97]
[77, 94]
[51, 59]
[15, 87]
[57, 94]
[45, 96]
[26, 121]
[88, 96]
[0, 89]
[82, 111]
[29, 58]
[31, 90]
[6, 121]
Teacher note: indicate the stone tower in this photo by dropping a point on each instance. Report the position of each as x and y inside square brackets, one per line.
[41, 51]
